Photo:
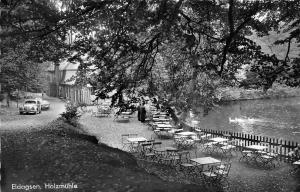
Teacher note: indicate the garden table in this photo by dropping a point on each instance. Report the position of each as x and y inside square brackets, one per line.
[126, 113]
[160, 119]
[202, 161]
[297, 163]
[164, 126]
[219, 139]
[205, 160]
[257, 147]
[134, 143]
[136, 139]
[257, 152]
[186, 133]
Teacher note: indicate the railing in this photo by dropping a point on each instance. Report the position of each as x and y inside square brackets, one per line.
[281, 147]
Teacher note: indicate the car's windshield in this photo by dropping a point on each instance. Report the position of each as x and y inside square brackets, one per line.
[30, 102]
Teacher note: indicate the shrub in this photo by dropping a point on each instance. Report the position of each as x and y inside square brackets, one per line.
[71, 115]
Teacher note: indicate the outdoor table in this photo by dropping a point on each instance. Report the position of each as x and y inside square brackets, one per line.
[160, 113]
[217, 143]
[219, 139]
[161, 149]
[160, 119]
[186, 133]
[297, 163]
[257, 147]
[164, 126]
[202, 161]
[184, 142]
[134, 141]
[126, 113]
[205, 160]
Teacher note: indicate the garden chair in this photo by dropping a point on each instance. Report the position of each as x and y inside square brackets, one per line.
[209, 147]
[146, 152]
[126, 145]
[189, 169]
[275, 154]
[267, 160]
[228, 149]
[266, 151]
[223, 163]
[222, 172]
[210, 177]
[247, 155]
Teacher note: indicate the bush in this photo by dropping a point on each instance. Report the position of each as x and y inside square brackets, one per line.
[71, 115]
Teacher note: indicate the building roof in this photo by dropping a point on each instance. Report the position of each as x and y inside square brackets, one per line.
[64, 65]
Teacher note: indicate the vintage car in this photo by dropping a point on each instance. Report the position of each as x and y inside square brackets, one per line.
[44, 104]
[31, 106]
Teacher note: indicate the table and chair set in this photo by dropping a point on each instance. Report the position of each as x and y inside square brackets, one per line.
[261, 155]
[207, 169]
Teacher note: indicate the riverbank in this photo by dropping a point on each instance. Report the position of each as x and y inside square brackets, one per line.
[277, 91]
[61, 155]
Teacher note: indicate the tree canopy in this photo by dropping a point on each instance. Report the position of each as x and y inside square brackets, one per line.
[180, 50]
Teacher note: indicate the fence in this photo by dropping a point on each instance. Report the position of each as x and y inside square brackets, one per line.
[281, 147]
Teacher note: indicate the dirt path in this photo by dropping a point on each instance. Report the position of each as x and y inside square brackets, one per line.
[11, 120]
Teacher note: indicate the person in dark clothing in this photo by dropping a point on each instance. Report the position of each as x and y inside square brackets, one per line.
[143, 113]
[139, 112]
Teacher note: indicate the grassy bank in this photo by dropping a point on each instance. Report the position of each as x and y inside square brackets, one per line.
[61, 154]
[277, 91]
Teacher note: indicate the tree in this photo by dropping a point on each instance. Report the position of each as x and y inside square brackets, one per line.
[18, 71]
[144, 46]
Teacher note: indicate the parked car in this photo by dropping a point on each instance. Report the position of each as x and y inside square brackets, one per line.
[31, 106]
[44, 103]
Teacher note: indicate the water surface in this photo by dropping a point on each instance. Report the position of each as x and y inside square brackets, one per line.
[275, 118]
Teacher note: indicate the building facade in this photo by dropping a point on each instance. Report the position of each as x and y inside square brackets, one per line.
[61, 80]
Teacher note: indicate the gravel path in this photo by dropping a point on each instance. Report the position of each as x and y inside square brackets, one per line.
[11, 120]
[109, 131]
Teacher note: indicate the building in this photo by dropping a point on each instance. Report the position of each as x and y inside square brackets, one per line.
[62, 79]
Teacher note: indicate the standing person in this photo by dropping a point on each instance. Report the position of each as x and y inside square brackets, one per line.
[143, 113]
[139, 111]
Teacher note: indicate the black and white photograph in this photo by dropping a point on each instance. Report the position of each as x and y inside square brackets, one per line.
[150, 95]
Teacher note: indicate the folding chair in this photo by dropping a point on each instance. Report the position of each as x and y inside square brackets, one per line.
[210, 177]
[186, 166]
[126, 145]
[209, 147]
[228, 149]
[267, 160]
[246, 155]
[223, 172]
[274, 153]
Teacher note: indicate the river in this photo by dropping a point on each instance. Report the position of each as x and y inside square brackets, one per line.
[275, 118]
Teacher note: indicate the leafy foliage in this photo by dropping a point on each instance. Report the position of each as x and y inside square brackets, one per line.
[71, 115]
[181, 51]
